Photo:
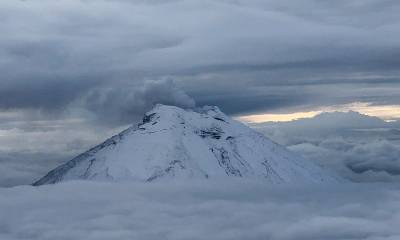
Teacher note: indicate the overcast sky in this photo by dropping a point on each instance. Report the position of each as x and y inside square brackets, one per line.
[72, 72]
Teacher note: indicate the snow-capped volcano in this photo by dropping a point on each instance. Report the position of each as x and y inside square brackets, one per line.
[171, 142]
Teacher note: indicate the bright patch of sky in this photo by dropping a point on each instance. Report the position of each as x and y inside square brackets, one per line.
[385, 112]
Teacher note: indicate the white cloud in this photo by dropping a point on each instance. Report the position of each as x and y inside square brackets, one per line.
[199, 210]
[359, 147]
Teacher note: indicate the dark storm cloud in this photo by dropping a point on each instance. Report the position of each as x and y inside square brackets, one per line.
[43, 92]
[54, 53]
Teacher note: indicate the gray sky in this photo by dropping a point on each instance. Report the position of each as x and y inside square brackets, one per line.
[75, 71]
[246, 56]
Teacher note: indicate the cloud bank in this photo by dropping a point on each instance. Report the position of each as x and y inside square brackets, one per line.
[200, 210]
[359, 147]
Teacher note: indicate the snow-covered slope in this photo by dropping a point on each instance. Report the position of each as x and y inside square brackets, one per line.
[175, 143]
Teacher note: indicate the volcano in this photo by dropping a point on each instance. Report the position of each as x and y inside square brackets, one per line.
[175, 143]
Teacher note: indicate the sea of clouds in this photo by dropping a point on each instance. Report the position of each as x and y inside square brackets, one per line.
[359, 147]
[200, 210]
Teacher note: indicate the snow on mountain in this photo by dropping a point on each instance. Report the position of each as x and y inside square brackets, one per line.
[173, 143]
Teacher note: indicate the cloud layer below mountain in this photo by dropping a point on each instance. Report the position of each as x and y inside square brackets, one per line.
[359, 147]
[200, 210]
